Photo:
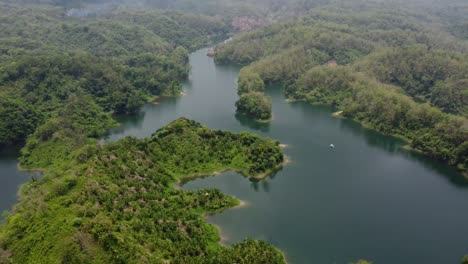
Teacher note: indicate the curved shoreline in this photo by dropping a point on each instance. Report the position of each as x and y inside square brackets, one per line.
[31, 170]
[261, 121]
[407, 147]
[184, 179]
[264, 121]
[223, 238]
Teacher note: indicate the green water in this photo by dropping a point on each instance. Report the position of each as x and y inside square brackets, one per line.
[364, 199]
[10, 178]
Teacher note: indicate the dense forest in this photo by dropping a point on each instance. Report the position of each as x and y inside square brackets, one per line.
[228, 9]
[119, 61]
[62, 78]
[398, 70]
[116, 203]
[68, 66]
[252, 101]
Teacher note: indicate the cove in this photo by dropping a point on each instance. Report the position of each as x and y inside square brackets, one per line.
[11, 178]
[366, 198]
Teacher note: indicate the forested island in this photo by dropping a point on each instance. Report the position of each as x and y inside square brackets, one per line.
[69, 68]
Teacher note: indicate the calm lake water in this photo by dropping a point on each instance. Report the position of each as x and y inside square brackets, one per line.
[366, 198]
[10, 178]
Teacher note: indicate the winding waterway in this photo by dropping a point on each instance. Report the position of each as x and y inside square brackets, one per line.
[366, 198]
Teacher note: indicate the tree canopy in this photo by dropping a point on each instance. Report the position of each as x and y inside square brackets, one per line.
[389, 65]
[116, 203]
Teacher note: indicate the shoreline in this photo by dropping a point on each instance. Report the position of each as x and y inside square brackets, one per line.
[156, 99]
[242, 204]
[185, 179]
[267, 173]
[41, 170]
[408, 147]
[407, 141]
[338, 114]
[265, 121]
[261, 121]
[292, 100]
[223, 238]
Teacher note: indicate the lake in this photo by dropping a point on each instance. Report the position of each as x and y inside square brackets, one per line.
[366, 198]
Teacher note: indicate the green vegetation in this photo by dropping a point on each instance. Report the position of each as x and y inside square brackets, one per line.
[362, 261]
[342, 31]
[404, 72]
[121, 32]
[252, 102]
[228, 9]
[389, 66]
[60, 80]
[60, 135]
[465, 260]
[18, 120]
[436, 76]
[383, 108]
[249, 82]
[117, 61]
[116, 203]
[47, 81]
[255, 105]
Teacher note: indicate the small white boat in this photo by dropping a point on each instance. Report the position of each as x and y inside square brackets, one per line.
[332, 146]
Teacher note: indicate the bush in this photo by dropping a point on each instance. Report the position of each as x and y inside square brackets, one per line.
[255, 105]
[18, 120]
[249, 82]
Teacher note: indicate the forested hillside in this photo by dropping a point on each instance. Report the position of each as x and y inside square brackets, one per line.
[226, 8]
[427, 75]
[116, 203]
[405, 70]
[61, 80]
[68, 66]
[120, 60]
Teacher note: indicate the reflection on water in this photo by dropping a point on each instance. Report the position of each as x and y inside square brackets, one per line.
[134, 120]
[252, 124]
[10, 177]
[392, 145]
[437, 167]
[367, 198]
[373, 138]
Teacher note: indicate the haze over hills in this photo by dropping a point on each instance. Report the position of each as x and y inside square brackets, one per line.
[69, 69]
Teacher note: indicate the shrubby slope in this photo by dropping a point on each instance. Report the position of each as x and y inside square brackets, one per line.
[118, 61]
[116, 203]
[405, 71]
